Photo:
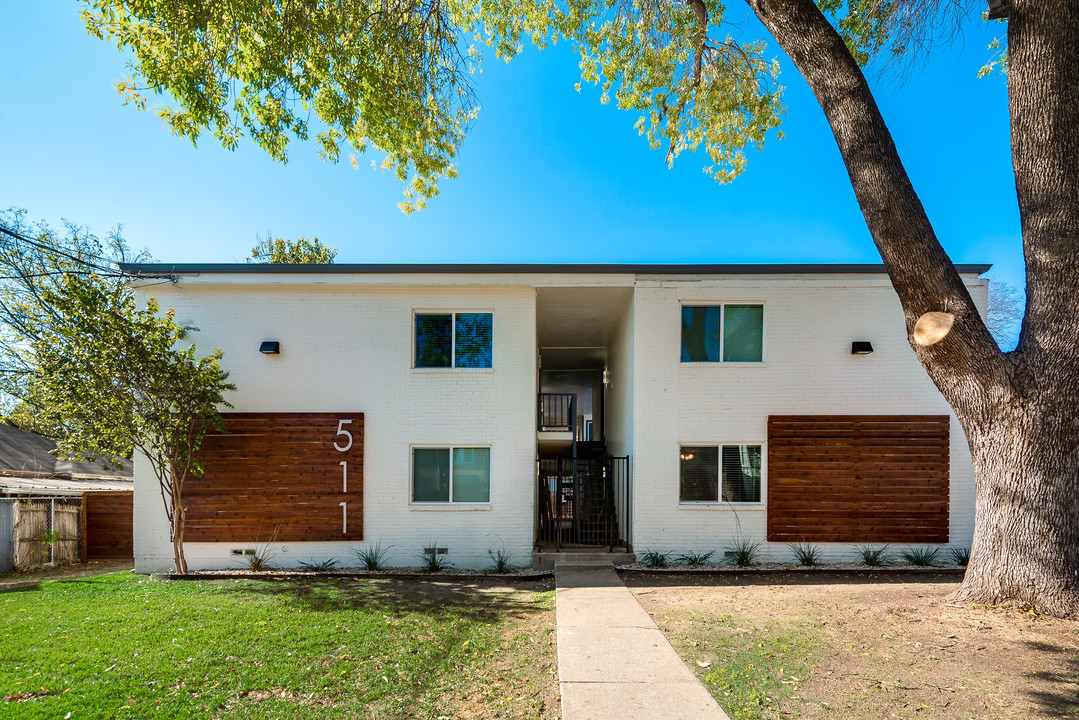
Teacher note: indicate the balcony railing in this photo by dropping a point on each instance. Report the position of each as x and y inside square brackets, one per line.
[557, 411]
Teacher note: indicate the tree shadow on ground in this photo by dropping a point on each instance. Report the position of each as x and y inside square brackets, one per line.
[729, 578]
[1057, 693]
[19, 587]
[474, 598]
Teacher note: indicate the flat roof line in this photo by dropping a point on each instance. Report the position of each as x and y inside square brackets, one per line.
[158, 269]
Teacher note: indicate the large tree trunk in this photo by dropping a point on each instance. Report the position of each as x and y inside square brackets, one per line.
[1018, 410]
[1026, 535]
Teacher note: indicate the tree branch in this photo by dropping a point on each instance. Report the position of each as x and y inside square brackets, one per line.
[921, 271]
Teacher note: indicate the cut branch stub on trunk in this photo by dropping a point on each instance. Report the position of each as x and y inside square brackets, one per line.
[932, 327]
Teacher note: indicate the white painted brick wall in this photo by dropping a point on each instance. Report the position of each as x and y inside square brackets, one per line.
[349, 349]
[346, 345]
[810, 322]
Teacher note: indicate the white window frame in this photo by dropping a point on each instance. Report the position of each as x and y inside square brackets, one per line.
[719, 503]
[453, 313]
[722, 305]
[446, 504]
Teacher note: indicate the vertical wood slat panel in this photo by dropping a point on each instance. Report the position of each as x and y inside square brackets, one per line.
[278, 476]
[858, 478]
[109, 525]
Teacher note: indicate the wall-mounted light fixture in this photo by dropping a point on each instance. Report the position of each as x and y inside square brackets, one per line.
[861, 347]
[270, 347]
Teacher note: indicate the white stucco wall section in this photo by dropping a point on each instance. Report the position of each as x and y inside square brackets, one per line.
[810, 322]
[348, 348]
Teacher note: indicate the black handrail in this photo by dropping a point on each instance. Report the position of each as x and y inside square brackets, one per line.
[557, 411]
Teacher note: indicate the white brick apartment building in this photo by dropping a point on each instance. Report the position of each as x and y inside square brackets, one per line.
[478, 407]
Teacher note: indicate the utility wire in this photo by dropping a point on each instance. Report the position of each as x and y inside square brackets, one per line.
[110, 270]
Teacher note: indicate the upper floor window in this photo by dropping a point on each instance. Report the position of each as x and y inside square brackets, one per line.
[453, 339]
[723, 333]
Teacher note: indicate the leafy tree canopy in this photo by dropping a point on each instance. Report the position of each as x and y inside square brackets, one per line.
[301, 251]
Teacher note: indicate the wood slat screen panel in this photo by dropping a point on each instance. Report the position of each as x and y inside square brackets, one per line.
[278, 475]
[858, 478]
[109, 525]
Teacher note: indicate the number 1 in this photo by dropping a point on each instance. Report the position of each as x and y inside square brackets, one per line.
[344, 475]
[344, 518]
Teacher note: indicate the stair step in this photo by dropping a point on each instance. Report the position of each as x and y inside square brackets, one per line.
[549, 560]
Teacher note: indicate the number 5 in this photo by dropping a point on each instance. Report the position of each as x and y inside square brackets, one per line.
[341, 431]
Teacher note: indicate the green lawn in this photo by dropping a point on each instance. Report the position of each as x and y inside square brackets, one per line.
[119, 645]
[749, 668]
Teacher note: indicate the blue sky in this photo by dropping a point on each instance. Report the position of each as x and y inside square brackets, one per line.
[546, 175]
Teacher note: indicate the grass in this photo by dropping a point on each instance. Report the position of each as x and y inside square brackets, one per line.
[323, 566]
[752, 668]
[119, 645]
[961, 555]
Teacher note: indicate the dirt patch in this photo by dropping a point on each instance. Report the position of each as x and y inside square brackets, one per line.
[883, 646]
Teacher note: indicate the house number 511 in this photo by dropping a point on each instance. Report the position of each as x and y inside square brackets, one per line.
[344, 468]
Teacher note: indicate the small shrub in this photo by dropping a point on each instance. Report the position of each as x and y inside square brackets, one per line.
[696, 558]
[873, 555]
[654, 559]
[431, 561]
[319, 566]
[500, 561]
[372, 557]
[961, 556]
[743, 551]
[922, 557]
[259, 558]
[807, 554]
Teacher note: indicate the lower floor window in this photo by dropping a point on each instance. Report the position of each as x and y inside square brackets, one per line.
[448, 474]
[714, 473]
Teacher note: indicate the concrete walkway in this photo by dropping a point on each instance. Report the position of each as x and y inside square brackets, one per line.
[613, 661]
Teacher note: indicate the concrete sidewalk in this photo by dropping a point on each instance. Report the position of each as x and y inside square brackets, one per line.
[613, 661]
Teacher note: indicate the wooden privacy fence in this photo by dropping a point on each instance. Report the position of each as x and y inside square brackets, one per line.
[47, 531]
[108, 525]
[858, 478]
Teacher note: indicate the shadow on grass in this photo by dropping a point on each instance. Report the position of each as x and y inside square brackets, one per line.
[779, 577]
[420, 692]
[474, 599]
[19, 587]
[1058, 695]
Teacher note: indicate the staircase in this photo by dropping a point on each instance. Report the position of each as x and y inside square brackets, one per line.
[582, 498]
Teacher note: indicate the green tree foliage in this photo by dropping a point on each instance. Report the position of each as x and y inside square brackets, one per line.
[116, 375]
[385, 76]
[110, 375]
[301, 251]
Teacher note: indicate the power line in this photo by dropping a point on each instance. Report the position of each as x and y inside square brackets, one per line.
[111, 270]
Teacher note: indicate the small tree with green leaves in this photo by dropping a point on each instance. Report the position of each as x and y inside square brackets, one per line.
[301, 251]
[117, 376]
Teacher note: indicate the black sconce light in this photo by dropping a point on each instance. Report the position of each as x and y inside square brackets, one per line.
[270, 347]
[861, 347]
